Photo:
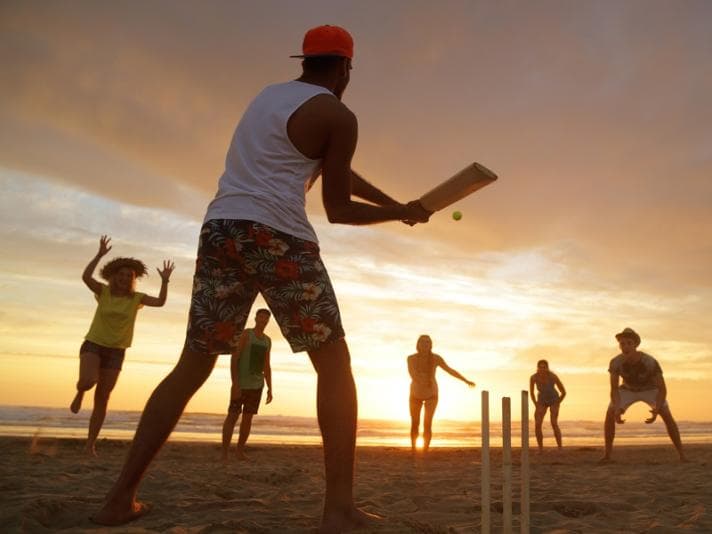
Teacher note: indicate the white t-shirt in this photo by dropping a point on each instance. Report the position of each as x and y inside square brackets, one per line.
[266, 177]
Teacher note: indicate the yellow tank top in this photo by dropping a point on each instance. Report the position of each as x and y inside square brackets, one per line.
[114, 319]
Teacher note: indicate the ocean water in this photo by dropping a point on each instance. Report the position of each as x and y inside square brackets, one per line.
[276, 429]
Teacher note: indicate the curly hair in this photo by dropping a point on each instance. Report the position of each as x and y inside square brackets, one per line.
[115, 265]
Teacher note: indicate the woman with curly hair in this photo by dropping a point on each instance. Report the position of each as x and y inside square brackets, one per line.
[102, 353]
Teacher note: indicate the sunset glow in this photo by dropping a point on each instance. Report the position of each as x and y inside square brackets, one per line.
[596, 117]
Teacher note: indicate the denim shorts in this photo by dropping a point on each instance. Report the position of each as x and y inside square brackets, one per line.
[110, 358]
[239, 259]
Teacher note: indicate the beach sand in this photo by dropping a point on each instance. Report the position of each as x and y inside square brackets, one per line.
[47, 484]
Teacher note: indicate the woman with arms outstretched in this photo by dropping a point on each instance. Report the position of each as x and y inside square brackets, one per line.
[424, 389]
[102, 353]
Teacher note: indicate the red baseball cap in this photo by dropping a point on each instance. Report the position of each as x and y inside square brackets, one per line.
[327, 40]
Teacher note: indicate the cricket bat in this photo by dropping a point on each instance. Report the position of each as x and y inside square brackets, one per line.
[465, 182]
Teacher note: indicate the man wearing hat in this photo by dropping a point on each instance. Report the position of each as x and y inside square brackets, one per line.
[642, 381]
[256, 238]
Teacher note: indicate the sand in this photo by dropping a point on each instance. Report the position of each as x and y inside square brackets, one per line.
[48, 484]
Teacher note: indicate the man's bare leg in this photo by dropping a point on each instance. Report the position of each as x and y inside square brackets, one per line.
[245, 427]
[609, 431]
[673, 432]
[337, 413]
[159, 417]
[228, 429]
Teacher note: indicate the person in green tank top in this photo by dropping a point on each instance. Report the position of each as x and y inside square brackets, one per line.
[102, 353]
[250, 370]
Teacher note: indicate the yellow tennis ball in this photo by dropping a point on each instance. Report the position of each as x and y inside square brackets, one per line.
[456, 215]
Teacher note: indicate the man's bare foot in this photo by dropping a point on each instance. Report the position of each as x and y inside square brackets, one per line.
[77, 402]
[354, 519]
[111, 516]
[240, 455]
[605, 460]
[90, 450]
[684, 459]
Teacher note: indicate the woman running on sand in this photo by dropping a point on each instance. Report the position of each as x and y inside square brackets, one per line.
[548, 399]
[102, 353]
[424, 389]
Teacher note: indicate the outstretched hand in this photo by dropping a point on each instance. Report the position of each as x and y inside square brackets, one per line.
[470, 383]
[619, 417]
[104, 246]
[165, 273]
[416, 213]
[653, 417]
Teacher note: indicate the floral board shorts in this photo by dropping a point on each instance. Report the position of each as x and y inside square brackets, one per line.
[238, 259]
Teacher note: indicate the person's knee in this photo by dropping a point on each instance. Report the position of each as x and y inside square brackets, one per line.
[194, 368]
[85, 384]
[332, 357]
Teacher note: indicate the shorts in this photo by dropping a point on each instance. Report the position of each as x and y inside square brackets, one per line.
[548, 400]
[629, 397]
[110, 358]
[248, 402]
[238, 259]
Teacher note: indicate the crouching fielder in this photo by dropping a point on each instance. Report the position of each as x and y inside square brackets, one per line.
[642, 381]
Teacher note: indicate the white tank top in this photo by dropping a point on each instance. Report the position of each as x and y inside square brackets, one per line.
[266, 177]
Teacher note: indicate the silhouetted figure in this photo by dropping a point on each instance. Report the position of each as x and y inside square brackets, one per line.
[547, 398]
[642, 381]
[424, 388]
[250, 369]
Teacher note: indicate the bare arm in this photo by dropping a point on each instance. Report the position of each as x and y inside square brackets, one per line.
[338, 181]
[411, 367]
[454, 373]
[165, 275]
[616, 396]
[268, 375]
[662, 392]
[531, 389]
[561, 387]
[659, 398]
[88, 274]
[365, 190]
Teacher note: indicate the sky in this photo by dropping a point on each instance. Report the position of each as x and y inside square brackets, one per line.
[115, 118]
